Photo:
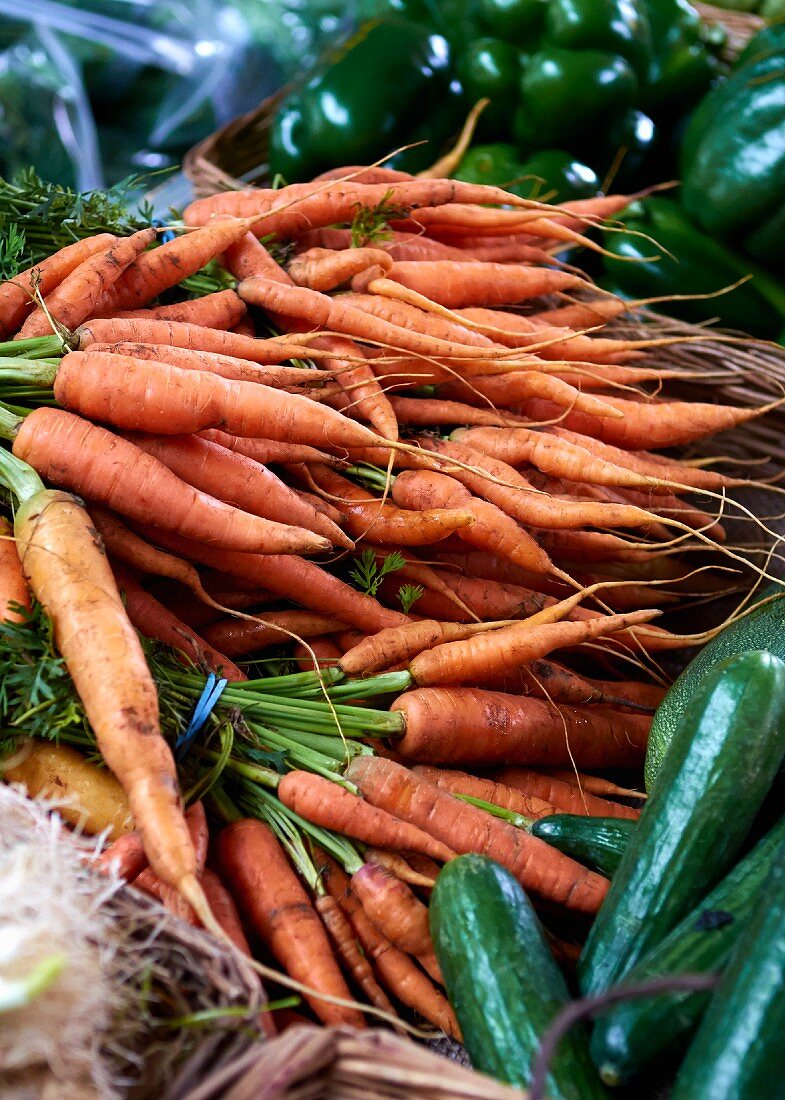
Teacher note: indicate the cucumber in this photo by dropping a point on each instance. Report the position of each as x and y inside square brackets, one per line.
[737, 1053]
[633, 1033]
[502, 979]
[725, 753]
[761, 629]
[599, 842]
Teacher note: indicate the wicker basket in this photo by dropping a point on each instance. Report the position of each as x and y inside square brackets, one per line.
[235, 157]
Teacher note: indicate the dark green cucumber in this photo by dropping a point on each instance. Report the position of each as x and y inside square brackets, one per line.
[737, 1053]
[763, 628]
[502, 979]
[633, 1033]
[725, 752]
[599, 842]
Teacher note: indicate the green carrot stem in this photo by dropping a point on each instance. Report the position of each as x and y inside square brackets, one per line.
[40, 371]
[498, 811]
[21, 479]
[223, 806]
[387, 683]
[36, 348]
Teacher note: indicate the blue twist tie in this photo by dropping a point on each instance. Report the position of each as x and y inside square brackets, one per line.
[212, 692]
[169, 235]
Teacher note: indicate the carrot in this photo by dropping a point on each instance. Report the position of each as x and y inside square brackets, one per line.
[325, 650]
[196, 820]
[585, 546]
[432, 583]
[268, 893]
[70, 576]
[369, 518]
[505, 650]
[493, 600]
[117, 389]
[150, 884]
[125, 855]
[155, 621]
[503, 391]
[651, 424]
[553, 877]
[395, 645]
[487, 790]
[323, 507]
[238, 638]
[126, 546]
[271, 450]
[323, 269]
[14, 594]
[549, 680]
[425, 412]
[479, 563]
[401, 867]
[359, 383]
[180, 334]
[471, 726]
[75, 297]
[224, 910]
[454, 284]
[226, 366]
[248, 256]
[292, 577]
[403, 978]
[334, 807]
[17, 295]
[348, 949]
[589, 314]
[461, 220]
[397, 913]
[594, 783]
[492, 529]
[423, 865]
[166, 266]
[565, 797]
[111, 470]
[418, 320]
[235, 479]
[222, 309]
[377, 173]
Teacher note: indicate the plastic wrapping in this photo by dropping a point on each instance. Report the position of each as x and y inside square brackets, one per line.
[94, 90]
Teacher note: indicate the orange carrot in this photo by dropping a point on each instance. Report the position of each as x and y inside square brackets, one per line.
[224, 910]
[235, 479]
[418, 320]
[334, 807]
[150, 883]
[554, 877]
[248, 257]
[180, 334]
[403, 978]
[492, 600]
[222, 309]
[549, 680]
[472, 726]
[105, 468]
[17, 295]
[397, 913]
[593, 783]
[239, 637]
[503, 391]
[588, 314]
[359, 383]
[350, 953]
[14, 593]
[271, 450]
[323, 269]
[395, 645]
[126, 855]
[401, 867]
[295, 578]
[497, 793]
[454, 284]
[74, 299]
[196, 820]
[268, 893]
[565, 797]
[425, 412]
[325, 650]
[117, 389]
[155, 621]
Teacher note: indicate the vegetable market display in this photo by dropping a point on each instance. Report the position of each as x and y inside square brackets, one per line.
[372, 452]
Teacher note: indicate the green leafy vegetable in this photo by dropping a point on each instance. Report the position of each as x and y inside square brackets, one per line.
[370, 223]
[368, 574]
[409, 594]
[12, 247]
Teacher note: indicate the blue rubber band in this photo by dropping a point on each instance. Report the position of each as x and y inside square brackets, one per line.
[212, 692]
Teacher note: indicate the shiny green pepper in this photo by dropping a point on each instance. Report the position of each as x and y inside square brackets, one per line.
[497, 164]
[613, 26]
[362, 101]
[682, 66]
[490, 68]
[516, 21]
[556, 176]
[437, 128]
[564, 92]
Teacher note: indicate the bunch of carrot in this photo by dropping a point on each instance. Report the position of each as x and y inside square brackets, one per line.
[441, 405]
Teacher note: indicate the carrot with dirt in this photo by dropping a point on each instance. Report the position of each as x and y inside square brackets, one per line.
[268, 893]
[486, 790]
[118, 389]
[236, 480]
[74, 299]
[349, 951]
[331, 806]
[432, 583]
[273, 451]
[552, 681]
[292, 577]
[155, 621]
[323, 269]
[454, 726]
[401, 867]
[566, 798]
[238, 638]
[492, 600]
[103, 467]
[454, 284]
[322, 653]
[400, 791]
[224, 910]
[222, 309]
[370, 518]
[395, 645]
[68, 573]
[359, 383]
[397, 913]
[492, 530]
[402, 977]
[14, 593]
[125, 856]
[18, 295]
[594, 783]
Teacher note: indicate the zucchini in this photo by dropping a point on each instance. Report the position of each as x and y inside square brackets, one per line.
[761, 629]
[502, 979]
[737, 1053]
[725, 753]
[599, 842]
[633, 1033]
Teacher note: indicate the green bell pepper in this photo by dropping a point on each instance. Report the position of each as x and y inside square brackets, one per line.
[612, 26]
[497, 164]
[733, 155]
[437, 128]
[516, 21]
[490, 67]
[362, 101]
[699, 265]
[682, 66]
[558, 175]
